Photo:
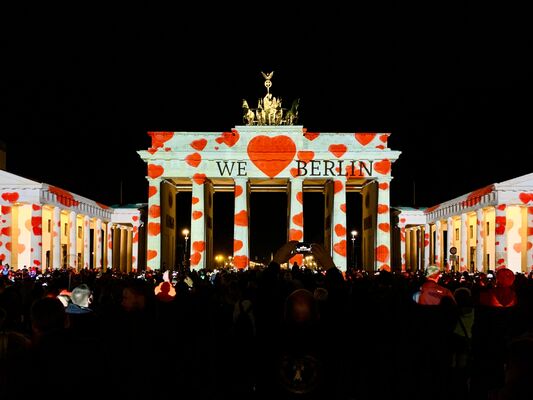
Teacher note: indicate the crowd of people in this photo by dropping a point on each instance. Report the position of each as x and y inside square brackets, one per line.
[267, 333]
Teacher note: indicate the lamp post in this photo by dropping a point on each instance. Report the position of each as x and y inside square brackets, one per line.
[354, 261]
[219, 258]
[185, 233]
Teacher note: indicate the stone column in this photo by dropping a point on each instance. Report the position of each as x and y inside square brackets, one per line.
[529, 233]
[240, 224]
[109, 247]
[438, 246]
[153, 243]
[98, 243]
[5, 234]
[500, 236]
[56, 238]
[123, 249]
[36, 236]
[383, 222]
[116, 247]
[86, 242]
[426, 245]
[338, 223]
[135, 246]
[296, 215]
[72, 253]
[402, 247]
[197, 259]
[451, 232]
[463, 259]
[480, 248]
[129, 246]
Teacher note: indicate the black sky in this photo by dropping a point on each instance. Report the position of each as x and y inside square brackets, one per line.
[81, 87]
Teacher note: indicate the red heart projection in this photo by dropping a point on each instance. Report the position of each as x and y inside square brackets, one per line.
[364, 138]
[155, 171]
[6, 210]
[501, 207]
[238, 190]
[197, 215]
[337, 186]
[518, 247]
[155, 211]
[384, 226]
[10, 196]
[296, 234]
[151, 191]
[500, 225]
[297, 258]
[194, 200]
[306, 156]
[343, 207]
[355, 172]
[271, 155]
[193, 159]
[340, 230]
[198, 246]
[384, 138]
[240, 261]
[195, 258]
[152, 150]
[199, 144]
[524, 197]
[298, 219]
[237, 245]
[135, 218]
[432, 208]
[382, 167]
[300, 197]
[340, 248]
[382, 253]
[383, 185]
[154, 228]
[159, 138]
[337, 149]
[199, 178]
[294, 172]
[167, 149]
[35, 207]
[228, 138]
[311, 135]
[241, 218]
[380, 146]
[63, 196]
[36, 224]
[382, 208]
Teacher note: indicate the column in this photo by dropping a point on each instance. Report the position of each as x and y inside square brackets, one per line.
[86, 241]
[135, 245]
[438, 246]
[56, 238]
[240, 224]
[296, 215]
[426, 245]
[408, 254]
[402, 247]
[338, 223]
[480, 249]
[197, 258]
[116, 248]
[123, 249]
[109, 247]
[412, 250]
[500, 236]
[529, 232]
[36, 236]
[153, 242]
[449, 239]
[72, 253]
[463, 235]
[383, 224]
[5, 234]
[98, 243]
[129, 237]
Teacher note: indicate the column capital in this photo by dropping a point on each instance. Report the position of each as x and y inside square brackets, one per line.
[384, 179]
[241, 179]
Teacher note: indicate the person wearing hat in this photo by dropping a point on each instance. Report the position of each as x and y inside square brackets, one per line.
[431, 293]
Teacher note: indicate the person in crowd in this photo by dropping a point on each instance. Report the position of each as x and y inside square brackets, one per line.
[503, 294]
[431, 293]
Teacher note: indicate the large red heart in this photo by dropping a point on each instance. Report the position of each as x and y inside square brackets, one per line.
[311, 135]
[193, 159]
[300, 197]
[306, 156]
[159, 138]
[155, 211]
[194, 200]
[10, 196]
[237, 245]
[382, 253]
[340, 248]
[197, 215]
[238, 190]
[340, 230]
[343, 207]
[240, 261]
[383, 185]
[382, 208]
[384, 226]
[364, 138]
[199, 246]
[195, 258]
[241, 218]
[382, 167]
[384, 138]
[228, 138]
[151, 191]
[271, 155]
[296, 234]
[337, 149]
[199, 178]
[6, 210]
[155, 171]
[337, 186]
[298, 219]
[524, 197]
[150, 254]
[199, 144]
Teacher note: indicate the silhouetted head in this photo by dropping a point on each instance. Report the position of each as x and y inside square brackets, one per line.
[81, 295]
[47, 315]
[505, 277]
[300, 307]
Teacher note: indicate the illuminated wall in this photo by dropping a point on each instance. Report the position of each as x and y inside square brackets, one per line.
[514, 239]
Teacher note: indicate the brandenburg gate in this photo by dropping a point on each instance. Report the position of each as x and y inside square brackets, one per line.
[269, 152]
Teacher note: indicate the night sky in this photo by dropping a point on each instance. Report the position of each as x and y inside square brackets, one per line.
[81, 87]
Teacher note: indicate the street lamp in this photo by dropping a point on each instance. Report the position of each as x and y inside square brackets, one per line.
[219, 258]
[354, 261]
[185, 233]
